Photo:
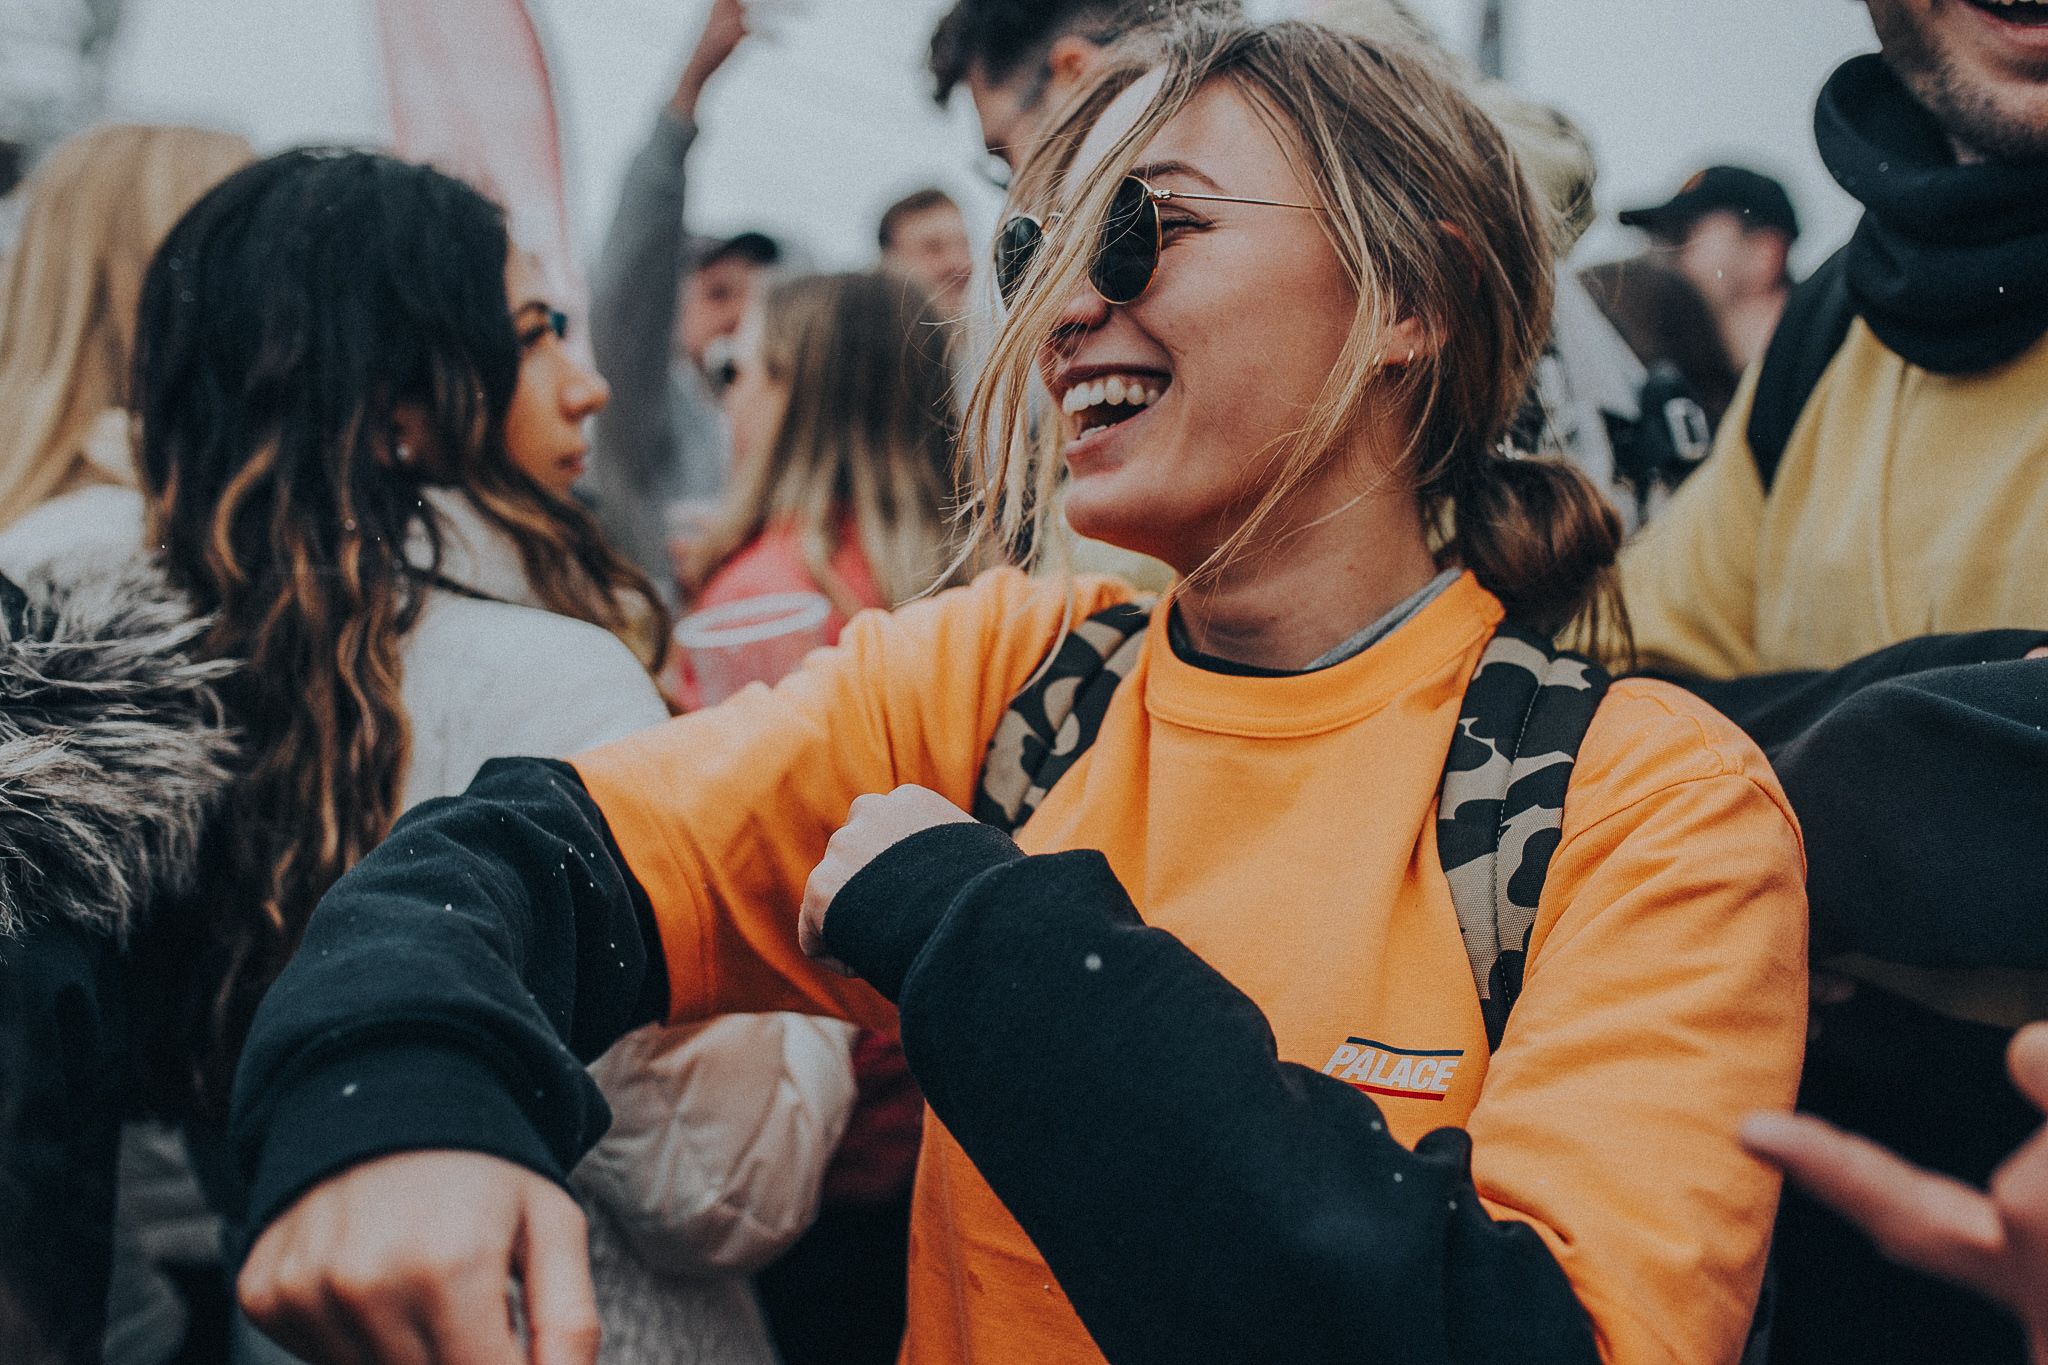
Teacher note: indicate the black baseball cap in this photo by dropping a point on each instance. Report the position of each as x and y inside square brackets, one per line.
[1758, 200]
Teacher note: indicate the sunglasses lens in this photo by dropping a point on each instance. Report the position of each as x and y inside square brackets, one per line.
[1129, 251]
[1016, 245]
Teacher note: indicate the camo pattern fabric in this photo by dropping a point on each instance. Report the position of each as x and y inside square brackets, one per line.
[1501, 810]
[1055, 719]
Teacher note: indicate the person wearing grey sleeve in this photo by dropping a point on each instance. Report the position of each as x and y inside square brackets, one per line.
[662, 440]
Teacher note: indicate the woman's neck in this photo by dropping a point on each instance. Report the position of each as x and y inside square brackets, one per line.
[1288, 607]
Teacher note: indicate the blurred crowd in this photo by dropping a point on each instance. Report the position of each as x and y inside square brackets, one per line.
[681, 843]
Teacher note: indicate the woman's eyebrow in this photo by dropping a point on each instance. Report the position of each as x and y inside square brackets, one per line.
[1155, 170]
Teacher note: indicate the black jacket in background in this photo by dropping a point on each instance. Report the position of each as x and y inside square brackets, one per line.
[1920, 778]
[112, 750]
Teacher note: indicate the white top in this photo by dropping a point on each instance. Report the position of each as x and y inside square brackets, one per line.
[484, 680]
[102, 521]
[488, 680]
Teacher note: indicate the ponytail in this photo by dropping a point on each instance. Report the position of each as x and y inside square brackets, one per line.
[1539, 536]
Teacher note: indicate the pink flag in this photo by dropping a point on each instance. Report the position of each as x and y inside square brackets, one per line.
[470, 94]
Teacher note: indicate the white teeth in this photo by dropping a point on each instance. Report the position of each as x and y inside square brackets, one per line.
[1115, 390]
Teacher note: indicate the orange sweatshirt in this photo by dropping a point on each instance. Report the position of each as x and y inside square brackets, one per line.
[1284, 828]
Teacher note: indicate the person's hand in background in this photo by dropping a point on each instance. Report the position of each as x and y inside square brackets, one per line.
[1995, 1243]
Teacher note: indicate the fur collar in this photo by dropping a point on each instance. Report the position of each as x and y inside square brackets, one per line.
[114, 748]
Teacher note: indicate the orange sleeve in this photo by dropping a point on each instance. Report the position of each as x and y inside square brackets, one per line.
[721, 814]
[1664, 999]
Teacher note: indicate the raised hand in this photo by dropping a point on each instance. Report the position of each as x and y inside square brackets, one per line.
[412, 1260]
[723, 29]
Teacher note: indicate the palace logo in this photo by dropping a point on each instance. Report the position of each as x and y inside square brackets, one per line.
[1381, 1070]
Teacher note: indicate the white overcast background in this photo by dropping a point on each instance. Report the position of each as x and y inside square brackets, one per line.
[816, 126]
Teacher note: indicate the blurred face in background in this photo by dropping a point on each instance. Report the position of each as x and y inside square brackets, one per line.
[544, 433]
[713, 305]
[1013, 110]
[930, 248]
[755, 400]
[1979, 66]
[1728, 261]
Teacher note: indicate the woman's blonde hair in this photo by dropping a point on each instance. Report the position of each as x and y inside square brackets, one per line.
[868, 431]
[97, 208]
[1431, 218]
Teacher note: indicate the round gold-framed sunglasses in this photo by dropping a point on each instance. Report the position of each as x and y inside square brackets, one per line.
[1127, 253]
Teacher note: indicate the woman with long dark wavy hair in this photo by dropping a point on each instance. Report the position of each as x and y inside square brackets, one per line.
[325, 344]
[358, 419]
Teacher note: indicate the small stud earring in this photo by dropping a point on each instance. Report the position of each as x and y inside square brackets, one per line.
[1411, 355]
[403, 453]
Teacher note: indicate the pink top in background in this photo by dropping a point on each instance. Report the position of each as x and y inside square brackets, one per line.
[773, 562]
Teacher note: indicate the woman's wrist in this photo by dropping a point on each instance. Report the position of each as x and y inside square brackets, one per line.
[884, 915]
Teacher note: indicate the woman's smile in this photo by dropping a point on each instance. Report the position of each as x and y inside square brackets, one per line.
[1101, 404]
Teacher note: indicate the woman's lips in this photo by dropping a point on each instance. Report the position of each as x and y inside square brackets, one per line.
[1095, 447]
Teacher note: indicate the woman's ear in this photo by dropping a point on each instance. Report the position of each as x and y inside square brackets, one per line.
[1068, 63]
[1402, 343]
[410, 443]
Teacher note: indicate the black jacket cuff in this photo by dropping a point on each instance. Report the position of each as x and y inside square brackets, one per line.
[882, 918]
[407, 1097]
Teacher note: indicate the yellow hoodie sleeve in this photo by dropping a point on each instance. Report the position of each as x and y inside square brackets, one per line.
[1690, 576]
[1666, 994]
[722, 814]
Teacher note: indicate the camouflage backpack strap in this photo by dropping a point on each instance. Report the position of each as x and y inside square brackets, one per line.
[1054, 720]
[1501, 809]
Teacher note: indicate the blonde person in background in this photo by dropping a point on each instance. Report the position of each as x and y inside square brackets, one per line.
[96, 209]
[843, 482]
[93, 215]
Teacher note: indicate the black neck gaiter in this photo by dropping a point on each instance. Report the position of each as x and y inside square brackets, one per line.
[1949, 266]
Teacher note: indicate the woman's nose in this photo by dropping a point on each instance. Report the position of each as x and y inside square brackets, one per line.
[585, 393]
[1083, 311]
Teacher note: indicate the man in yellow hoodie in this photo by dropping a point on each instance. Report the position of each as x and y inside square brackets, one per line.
[1902, 490]
[1883, 475]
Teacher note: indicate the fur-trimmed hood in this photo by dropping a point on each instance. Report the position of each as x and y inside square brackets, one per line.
[114, 747]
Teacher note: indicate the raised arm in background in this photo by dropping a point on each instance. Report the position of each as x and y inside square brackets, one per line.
[635, 296]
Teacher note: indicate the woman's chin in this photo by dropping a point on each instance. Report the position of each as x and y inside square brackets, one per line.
[1095, 511]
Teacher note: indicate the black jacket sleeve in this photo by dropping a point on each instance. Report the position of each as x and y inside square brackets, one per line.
[1198, 1198]
[1777, 708]
[1924, 802]
[448, 991]
[1920, 778]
